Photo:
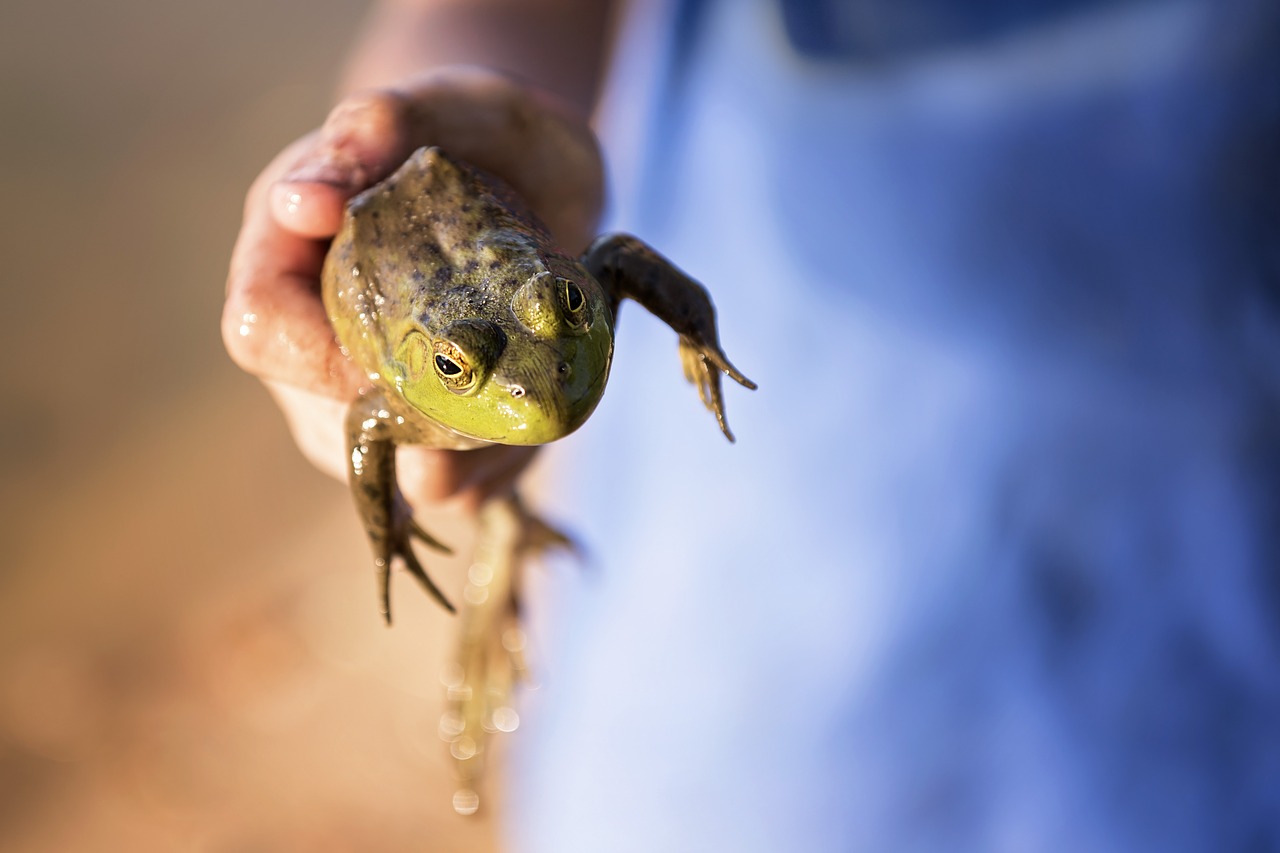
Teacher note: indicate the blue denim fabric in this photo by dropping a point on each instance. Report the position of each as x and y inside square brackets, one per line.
[995, 562]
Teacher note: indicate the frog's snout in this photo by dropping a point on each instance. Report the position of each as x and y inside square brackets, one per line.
[558, 382]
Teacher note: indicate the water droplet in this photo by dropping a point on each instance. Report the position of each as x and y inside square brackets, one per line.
[506, 719]
[466, 801]
[513, 640]
[451, 674]
[463, 748]
[451, 726]
[475, 595]
[479, 574]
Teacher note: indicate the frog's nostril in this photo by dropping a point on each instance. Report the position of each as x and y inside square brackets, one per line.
[564, 369]
[517, 391]
[535, 307]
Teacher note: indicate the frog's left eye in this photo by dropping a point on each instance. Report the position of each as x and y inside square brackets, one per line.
[573, 301]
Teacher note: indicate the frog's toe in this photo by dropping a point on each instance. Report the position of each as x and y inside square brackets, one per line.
[415, 568]
[400, 544]
[538, 535]
[702, 365]
[428, 539]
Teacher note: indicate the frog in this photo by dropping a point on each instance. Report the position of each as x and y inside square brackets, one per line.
[474, 328]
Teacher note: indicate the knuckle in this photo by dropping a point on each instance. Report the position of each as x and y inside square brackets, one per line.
[370, 113]
[240, 335]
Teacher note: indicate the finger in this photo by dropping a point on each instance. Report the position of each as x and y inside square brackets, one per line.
[526, 137]
[317, 423]
[364, 139]
[431, 477]
[532, 140]
[273, 322]
[427, 477]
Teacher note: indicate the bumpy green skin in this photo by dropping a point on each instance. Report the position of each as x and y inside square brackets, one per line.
[440, 253]
[441, 261]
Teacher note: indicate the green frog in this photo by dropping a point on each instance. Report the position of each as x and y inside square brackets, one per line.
[475, 329]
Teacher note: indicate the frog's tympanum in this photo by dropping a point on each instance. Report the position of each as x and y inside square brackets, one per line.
[474, 329]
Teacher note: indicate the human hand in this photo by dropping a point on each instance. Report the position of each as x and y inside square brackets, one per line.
[274, 324]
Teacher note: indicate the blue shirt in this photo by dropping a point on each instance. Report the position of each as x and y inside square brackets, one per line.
[994, 564]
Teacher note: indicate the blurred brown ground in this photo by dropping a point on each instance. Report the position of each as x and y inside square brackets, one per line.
[190, 653]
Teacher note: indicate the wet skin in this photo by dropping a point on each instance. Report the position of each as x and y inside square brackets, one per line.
[474, 329]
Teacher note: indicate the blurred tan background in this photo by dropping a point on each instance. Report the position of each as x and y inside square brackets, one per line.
[190, 652]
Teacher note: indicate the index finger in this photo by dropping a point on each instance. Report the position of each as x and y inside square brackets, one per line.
[527, 137]
[273, 322]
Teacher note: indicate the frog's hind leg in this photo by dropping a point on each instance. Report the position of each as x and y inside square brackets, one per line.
[490, 659]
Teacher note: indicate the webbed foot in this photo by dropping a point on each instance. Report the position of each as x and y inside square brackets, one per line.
[703, 362]
[396, 540]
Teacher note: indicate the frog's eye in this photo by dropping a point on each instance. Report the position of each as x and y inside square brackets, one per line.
[573, 301]
[453, 368]
[447, 366]
[462, 356]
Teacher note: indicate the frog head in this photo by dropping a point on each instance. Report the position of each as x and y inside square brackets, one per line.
[525, 372]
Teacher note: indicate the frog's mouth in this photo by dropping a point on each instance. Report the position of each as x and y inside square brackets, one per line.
[537, 392]
[538, 407]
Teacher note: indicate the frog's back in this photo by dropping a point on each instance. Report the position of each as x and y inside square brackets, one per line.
[437, 238]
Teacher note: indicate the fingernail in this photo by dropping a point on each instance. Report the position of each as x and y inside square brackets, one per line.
[291, 200]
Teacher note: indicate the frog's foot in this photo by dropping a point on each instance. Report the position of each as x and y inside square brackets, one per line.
[703, 362]
[490, 659]
[396, 540]
[627, 268]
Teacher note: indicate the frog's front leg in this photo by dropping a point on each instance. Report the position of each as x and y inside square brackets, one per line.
[387, 516]
[628, 268]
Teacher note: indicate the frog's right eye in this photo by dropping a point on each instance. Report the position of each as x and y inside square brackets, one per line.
[453, 368]
[462, 355]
